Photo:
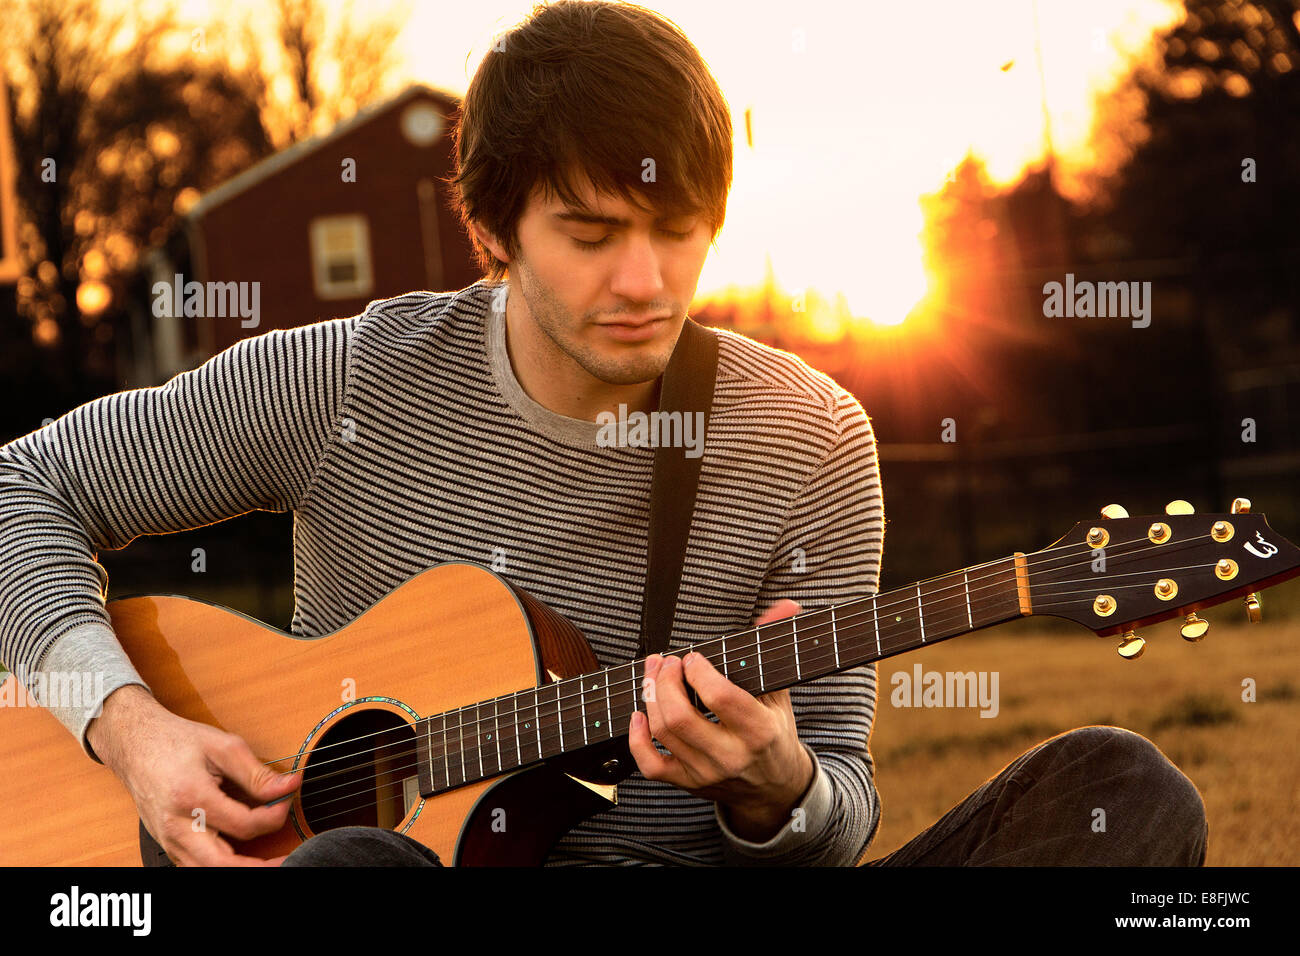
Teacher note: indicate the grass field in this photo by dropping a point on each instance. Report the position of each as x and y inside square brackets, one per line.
[1186, 698]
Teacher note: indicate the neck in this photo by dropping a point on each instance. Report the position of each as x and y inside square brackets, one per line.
[483, 740]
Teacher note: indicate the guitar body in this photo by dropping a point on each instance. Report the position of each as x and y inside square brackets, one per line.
[451, 636]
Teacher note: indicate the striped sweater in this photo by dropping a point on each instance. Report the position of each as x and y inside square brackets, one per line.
[400, 438]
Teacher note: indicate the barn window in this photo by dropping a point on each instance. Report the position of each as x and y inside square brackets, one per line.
[340, 257]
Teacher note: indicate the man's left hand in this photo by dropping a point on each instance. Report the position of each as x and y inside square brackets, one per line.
[751, 761]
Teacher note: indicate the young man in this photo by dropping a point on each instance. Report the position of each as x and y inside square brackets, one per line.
[440, 427]
[594, 160]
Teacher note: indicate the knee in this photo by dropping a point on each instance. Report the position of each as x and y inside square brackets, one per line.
[1115, 750]
[361, 846]
[1147, 779]
[338, 847]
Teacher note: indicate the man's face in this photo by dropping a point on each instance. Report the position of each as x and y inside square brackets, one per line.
[608, 284]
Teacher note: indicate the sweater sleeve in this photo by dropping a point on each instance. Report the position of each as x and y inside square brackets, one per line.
[242, 432]
[829, 552]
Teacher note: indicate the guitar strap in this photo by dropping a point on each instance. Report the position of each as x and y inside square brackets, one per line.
[687, 387]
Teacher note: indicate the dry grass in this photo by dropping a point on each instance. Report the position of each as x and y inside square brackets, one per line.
[1185, 698]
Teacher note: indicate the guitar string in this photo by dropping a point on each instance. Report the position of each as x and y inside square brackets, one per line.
[1127, 574]
[499, 763]
[367, 788]
[817, 630]
[511, 721]
[875, 610]
[368, 803]
[480, 750]
[857, 600]
[618, 685]
[754, 634]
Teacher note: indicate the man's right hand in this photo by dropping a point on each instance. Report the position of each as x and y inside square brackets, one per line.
[172, 766]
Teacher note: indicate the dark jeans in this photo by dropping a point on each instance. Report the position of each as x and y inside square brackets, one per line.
[1048, 806]
[1096, 796]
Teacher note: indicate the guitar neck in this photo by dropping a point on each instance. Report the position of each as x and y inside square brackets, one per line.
[816, 643]
[485, 739]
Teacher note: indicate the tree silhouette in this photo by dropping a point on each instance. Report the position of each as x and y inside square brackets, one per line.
[1226, 91]
[120, 123]
[329, 68]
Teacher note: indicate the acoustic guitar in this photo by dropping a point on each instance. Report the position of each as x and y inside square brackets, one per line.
[464, 712]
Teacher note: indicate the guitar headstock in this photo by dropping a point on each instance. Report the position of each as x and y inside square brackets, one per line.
[1118, 572]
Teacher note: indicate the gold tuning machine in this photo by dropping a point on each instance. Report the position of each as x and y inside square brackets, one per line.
[1253, 611]
[1179, 507]
[1132, 646]
[1114, 511]
[1195, 627]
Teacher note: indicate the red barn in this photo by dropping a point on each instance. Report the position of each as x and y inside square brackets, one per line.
[316, 231]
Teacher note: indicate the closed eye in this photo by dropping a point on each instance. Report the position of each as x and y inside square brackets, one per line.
[591, 246]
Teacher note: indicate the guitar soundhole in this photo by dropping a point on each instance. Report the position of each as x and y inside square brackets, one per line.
[362, 773]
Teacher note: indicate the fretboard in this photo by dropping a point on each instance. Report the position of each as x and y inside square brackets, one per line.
[486, 739]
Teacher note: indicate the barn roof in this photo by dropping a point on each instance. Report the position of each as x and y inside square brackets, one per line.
[285, 158]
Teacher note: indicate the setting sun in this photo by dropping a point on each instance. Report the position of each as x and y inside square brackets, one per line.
[857, 112]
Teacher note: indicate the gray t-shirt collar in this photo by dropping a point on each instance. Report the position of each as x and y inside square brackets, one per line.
[570, 431]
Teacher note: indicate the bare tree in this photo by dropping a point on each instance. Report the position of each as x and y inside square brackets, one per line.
[120, 121]
[110, 129]
[333, 67]
[60, 56]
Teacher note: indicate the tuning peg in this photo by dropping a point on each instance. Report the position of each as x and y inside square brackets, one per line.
[1195, 628]
[1240, 506]
[1114, 511]
[1179, 507]
[1132, 646]
[1253, 610]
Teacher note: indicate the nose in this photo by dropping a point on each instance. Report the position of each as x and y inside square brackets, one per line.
[637, 275]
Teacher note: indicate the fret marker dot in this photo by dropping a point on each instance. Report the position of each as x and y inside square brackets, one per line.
[598, 723]
[526, 726]
[897, 619]
[742, 663]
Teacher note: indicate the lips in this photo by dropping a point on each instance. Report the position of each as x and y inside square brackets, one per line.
[641, 324]
[634, 331]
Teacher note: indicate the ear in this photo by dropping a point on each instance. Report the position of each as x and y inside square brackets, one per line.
[490, 241]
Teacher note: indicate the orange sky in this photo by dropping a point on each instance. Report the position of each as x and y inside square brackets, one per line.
[858, 110]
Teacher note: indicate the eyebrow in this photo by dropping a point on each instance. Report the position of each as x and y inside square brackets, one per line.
[587, 216]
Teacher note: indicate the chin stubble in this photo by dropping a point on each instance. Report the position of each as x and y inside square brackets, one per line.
[591, 361]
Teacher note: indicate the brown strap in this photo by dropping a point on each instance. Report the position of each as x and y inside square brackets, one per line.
[687, 388]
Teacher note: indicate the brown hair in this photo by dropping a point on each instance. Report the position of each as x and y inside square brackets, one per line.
[597, 88]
